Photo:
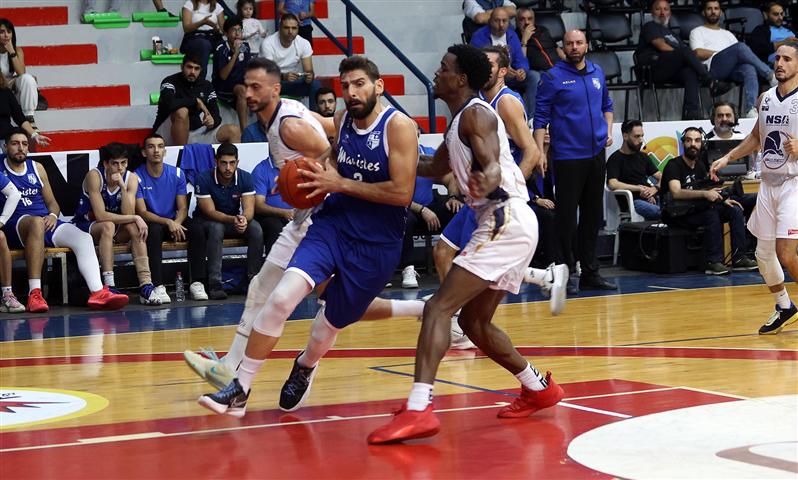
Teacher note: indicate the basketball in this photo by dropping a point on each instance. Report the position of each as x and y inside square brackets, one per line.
[288, 184]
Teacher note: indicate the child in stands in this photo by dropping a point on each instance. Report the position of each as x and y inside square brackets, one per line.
[253, 28]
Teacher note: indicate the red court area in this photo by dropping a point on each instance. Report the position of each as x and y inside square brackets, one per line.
[330, 441]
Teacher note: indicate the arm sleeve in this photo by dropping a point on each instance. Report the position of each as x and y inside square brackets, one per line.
[139, 190]
[213, 107]
[471, 8]
[181, 183]
[247, 187]
[606, 100]
[613, 167]
[696, 40]
[12, 198]
[219, 60]
[201, 188]
[545, 95]
[651, 169]
[259, 181]
[169, 101]
[305, 49]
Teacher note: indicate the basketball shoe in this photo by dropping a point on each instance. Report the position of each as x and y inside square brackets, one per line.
[531, 401]
[407, 425]
[105, 299]
[297, 388]
[36, 302]
[209, 367]
[10, 304]
[231, 400]
[779, 319]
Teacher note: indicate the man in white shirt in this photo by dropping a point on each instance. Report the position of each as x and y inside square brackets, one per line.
[724, 118]
[294, 55]
[728, 59]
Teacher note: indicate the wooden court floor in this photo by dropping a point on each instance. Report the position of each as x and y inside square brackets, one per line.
[670, 382]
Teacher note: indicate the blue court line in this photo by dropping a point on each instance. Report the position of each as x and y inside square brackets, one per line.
[447, 382]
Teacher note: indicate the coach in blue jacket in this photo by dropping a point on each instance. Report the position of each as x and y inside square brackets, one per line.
[574, 103]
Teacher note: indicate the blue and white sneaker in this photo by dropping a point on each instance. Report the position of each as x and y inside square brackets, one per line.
[148, 295]
[231, 400]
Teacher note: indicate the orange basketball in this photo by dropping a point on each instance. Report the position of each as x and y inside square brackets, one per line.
[288, 184]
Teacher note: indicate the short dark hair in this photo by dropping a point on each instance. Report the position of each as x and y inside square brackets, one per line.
[359, 62]
[16, 131]
[792, 44]
[324, 91]
[152, 135]
[692, 129]
[192, 57]
[770, 5]
[4, 22]
[289, 16]
[504, 57]
[113, 151]
[240, 7]
[269, 66]
[473, 63]
[234, 21]
[705, 2]
[629, 125]
[226, 148]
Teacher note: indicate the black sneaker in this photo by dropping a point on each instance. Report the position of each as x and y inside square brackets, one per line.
[297, 387]
[716, 268]
[230, 400]
[217, 293]
[744, 264]
[779, 320]
[595, 282]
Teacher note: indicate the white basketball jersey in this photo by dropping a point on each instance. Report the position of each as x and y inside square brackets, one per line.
[461, 159]
[778, 122]
[287, 108]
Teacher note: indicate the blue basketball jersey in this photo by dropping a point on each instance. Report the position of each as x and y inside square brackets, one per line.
[363, 156]
[30, 187]
[514, 150]
[111, 198]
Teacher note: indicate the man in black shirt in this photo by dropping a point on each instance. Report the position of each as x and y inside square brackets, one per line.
[539, 47]
[630, 169]
[187, 109]
[688, 203]
[671, 60]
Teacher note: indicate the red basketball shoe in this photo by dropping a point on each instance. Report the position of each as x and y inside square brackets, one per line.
[36, 302]
[407, 425]
[105, 299]
[531, 401]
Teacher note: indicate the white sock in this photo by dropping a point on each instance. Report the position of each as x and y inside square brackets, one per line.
[34, 283]
[235, 354]
[537, 276]
[407, 308]
[420, 397]
[6, 290]
[108, 279]
[782, 299]
[532, 379]
[249, 368]
[322, 338]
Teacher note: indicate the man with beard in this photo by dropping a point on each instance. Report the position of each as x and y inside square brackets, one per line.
[326, 102]
[775, 220]
[356, 234]
[477, 152]
[766, 38]
[630, 169]
[689, 203]
[728, 59]
[35, 225]
[724, 118]
[670, 59]
[187, 109]
[574, 102]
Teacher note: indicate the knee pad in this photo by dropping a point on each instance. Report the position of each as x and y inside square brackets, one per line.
[768, 263]
[322, 329]
[271, 317]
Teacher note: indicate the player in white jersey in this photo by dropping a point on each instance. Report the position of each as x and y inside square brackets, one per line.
[493, 262]
[775, 219]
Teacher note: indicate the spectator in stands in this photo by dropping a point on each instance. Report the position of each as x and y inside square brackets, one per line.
[326, 102]
[229, 61]
[294, 55]
[187, 109]
[304, 11]
[35, 224]
[499, 33]
[12, 67]
[271, 212]
[671, 60]
[253, 28]
[688, 201]
[107, 211]
[9, 302]
[630, 169]
[728, 59]
[10, 110]
[580, 121]
[225, 209]
[766, 38]
[161, 202]
[202, 22]
[540, 49]
[477, 13]
[724, 118]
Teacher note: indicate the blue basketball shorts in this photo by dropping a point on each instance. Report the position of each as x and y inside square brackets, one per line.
[460, 228]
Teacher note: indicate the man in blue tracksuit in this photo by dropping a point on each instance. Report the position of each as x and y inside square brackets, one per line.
[573, 101]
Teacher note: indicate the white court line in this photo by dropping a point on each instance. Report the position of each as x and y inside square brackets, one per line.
[664, 288]
[712, 392]
[588, 409]
[620, 393]
[122, 438]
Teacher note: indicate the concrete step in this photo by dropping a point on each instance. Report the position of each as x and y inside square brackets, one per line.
[78, 54]
[86, 97]
[39, 15]
[66, 140]
[134, 116]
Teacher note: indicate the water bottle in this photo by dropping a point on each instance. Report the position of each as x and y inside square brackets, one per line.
[180, 292]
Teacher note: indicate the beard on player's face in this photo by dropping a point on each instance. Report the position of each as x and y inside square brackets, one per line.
[359, 109]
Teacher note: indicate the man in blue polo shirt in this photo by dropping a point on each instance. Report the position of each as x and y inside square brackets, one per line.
[225, 208]
[229, 62]
[271, 212]
[161, 202]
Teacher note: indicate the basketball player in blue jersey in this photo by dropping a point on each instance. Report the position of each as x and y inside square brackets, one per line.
[108, 202]
[775, 219]
[493, 262]
[35, 224]
[510, 107]
[9, 302]
[355, 238]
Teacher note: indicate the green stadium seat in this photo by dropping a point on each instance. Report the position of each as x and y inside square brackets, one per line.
[165, 59]
[106, 20]
[156, 19]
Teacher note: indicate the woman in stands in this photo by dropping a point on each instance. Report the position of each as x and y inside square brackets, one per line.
[8, 302]
[12, 67]
[202, 29]
[11, 110]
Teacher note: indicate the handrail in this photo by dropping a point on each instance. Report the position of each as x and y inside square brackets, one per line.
[347, 50]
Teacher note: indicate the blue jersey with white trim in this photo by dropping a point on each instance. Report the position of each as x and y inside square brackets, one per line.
[111, 198]
[30, 186]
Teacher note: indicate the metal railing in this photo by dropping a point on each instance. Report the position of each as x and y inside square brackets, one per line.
[347, 50]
